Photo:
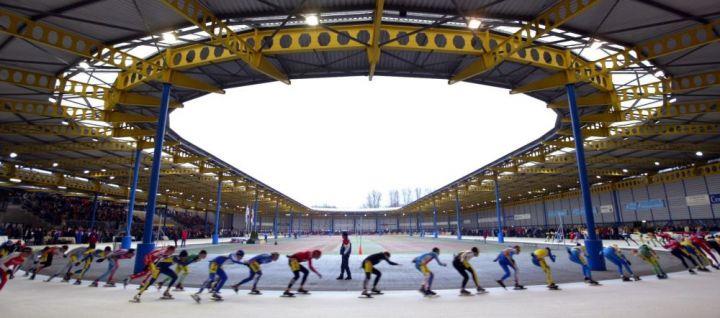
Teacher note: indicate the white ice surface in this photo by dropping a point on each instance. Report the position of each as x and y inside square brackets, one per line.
[682, 295]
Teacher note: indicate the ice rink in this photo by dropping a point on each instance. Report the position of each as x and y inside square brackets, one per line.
[682, 295]
[679, 296]
[403, 249]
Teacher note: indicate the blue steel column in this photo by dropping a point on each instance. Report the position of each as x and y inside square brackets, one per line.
[275, 221]
[147, 244]
[164, 217]
[354, 225]
[332, 224]
[255, 213]
[218, 205]
[435, 225]
[592, 243]
[292, 219]
[410, 229]
[616, 208]
[457, 215]
[127, 239]
[498, 211]
[377, 224]
[93, 218]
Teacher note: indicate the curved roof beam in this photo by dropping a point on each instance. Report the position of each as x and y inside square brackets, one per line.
[51, 36]
[201, 17]
[552, 18]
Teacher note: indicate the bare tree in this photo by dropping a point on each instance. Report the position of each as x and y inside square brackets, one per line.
[419, 193]
[394, 196]
[407, 194]
[373, 199]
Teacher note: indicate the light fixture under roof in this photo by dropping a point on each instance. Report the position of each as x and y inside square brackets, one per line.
[474, 23]
[625, 170]
[15, 180]
[699, 153]
[169, 37]
[657, 163]
[13, 155]
[312, 20]
[55, 164]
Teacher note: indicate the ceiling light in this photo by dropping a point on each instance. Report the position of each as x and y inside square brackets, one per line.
[112, 177]
[699, 153]
[62, 187]
[625, 170]
[657, 163]
[86, 171]
[474, 23]
[15, 180]
[169, 37]
[55, 164]
[103, 170]
[13, 155]
[312, 20]
[64, 123]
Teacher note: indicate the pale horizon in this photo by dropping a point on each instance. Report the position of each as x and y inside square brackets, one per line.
[332, 141]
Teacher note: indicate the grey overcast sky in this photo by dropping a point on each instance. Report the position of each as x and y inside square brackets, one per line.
[331, 141]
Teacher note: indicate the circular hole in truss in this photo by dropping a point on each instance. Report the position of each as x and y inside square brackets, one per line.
[304, 40]
[324, 39]
[403, 38]
[343, 38]
[421, 39]
[458, 42]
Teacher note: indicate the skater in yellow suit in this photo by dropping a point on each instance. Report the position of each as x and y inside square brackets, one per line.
[538, 259]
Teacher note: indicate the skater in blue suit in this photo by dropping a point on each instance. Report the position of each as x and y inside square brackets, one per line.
[577, 255]
[506, 262]
[615, 256]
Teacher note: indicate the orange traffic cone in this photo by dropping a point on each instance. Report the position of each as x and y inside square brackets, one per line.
[360, 250]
